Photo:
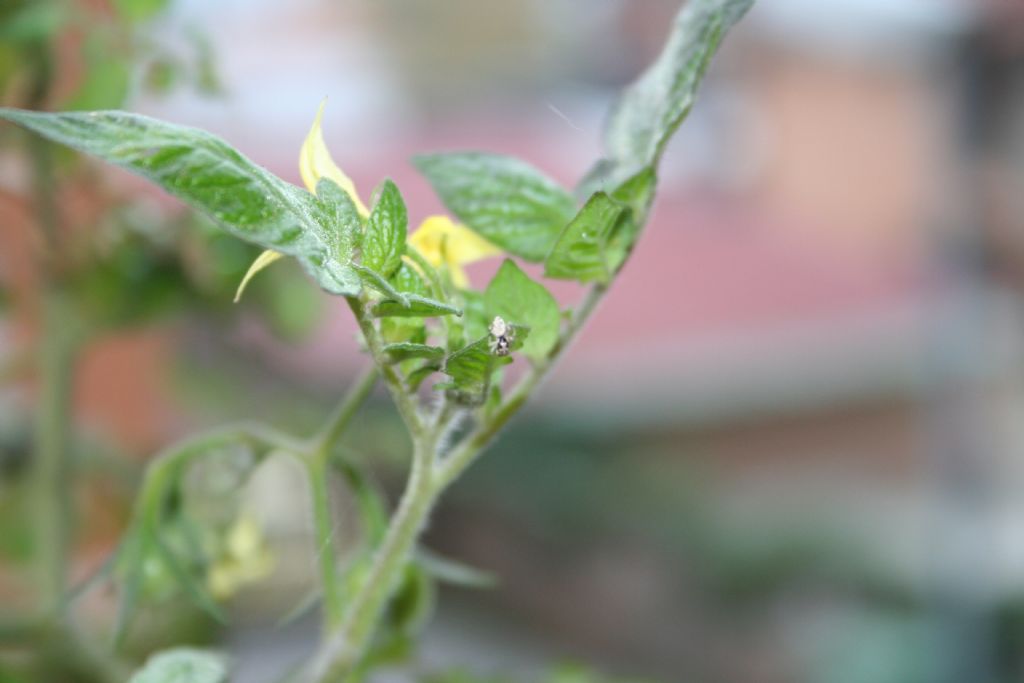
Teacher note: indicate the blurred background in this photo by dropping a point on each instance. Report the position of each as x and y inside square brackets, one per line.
[787, 449]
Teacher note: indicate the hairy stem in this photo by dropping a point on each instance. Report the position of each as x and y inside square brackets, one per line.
[318, 466]
[405, 402]
[342, 650]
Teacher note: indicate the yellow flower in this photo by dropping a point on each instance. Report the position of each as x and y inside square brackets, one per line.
[243, 559]
[438, 239]
[443, 242]
[315, 162]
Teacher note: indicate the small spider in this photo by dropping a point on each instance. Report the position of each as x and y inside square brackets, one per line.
[503, 336]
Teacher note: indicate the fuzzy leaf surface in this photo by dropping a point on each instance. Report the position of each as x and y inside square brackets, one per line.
[506, 201]
[650, 110]
[384, 241]
[211, 176]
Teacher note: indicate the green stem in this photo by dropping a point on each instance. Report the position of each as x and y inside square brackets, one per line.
[342, 650]
[51, 466]
[318, 467]
[404, 401]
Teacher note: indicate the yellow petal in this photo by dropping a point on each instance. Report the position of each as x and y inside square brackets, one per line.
[442, 241]
[315, 162]
[261, 262]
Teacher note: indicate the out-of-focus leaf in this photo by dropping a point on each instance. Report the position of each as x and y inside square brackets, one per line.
[412, 604]
[207, 173]
[521, 301]
[161, 75]
[28, 21]
[207, 78]
[650, 110]
[183, 665]
[139, 10]
[107, 78]
[505, 200]
[384, 240]
[372, 506]
[453, 572]
[267, 257]
[236, 452]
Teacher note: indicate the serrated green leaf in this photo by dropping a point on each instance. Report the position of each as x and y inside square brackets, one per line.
[581, 250]
[338, 226]
[384, 241]
[208, 174]
[505, 200]
[183, 665]
[419, 307]
[650, 110]
[472, 367]
[521, 301]
[406, 350]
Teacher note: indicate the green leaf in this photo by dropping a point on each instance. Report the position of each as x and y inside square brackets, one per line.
[208, 174]
[373, 508]
[139, 10]
[413, 601]
[375, 280]
[408, 281]
[406, 350]
[183, 665]
[419, 307]
[506, 201]
[192, 586]
[521, 301]
[384, 241]
[416, 377]
[31, 21]
[106, 83]
[447, 570]
[636, 194]
[472, 368]
[650, 110]
[581, 250]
